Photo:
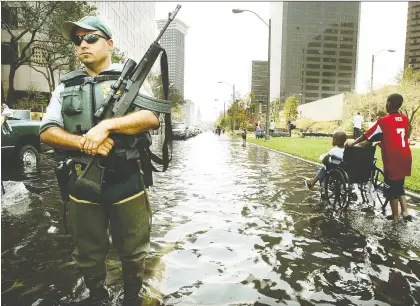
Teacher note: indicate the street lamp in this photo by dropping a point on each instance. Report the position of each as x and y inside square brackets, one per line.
[371, 79]
[233, 101]
[267, 123]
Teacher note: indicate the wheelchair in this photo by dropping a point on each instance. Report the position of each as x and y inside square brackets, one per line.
[358, 167]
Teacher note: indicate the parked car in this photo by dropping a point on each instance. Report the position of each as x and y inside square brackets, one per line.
[180, 131]
[20, 141]
[280, 133]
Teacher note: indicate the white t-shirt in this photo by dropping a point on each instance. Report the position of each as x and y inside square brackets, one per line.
[337, 152]
[357, 121]
[272, 125]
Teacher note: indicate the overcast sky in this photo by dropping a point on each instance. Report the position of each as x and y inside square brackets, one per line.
[220, 46]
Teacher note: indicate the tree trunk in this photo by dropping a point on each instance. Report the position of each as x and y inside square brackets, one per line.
[11, 99]
[2, 94]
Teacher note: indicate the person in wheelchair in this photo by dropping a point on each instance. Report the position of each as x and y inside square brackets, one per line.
[392, 131]
[333, 157]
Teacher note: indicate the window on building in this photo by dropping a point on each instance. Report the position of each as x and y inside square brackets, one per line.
[312, 73]
[312, 95]
[330, 38]
[334, 46]
[343, 46]
[345, 60]
[344, 89]
[311, 51]
[328, 52]
[326, 81]
[329, 74]
[348, 32]
[328, 88]
[314, 59]
[329, 67]
[313, 66]
[345, 53]
[344, 75]
[344, 82]
[313, 81]
[309, 87]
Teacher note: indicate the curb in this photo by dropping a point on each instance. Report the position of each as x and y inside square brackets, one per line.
[408, 192]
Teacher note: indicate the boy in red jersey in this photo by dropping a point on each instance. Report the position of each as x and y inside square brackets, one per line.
[392, 131]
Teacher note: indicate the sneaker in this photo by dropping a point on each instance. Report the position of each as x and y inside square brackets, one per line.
[308, 185]
[408, 218]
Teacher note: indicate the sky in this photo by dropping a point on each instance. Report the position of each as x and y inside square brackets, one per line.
[220, 46]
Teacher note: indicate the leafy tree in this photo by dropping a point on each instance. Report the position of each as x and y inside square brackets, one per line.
[275, 108]
[408, 86]
[24, 22]
[34, 28]
[117, 56]
[174, 95]
[290, 108]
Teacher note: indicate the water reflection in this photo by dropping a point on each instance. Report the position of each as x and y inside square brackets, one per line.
[232, 226]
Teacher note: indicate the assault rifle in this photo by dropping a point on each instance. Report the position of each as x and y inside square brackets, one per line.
[119, 100]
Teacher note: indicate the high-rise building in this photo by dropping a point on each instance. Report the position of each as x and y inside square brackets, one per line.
[313, 49]
[412, 42]
[173, 41]
[259, 82]
[132, 24]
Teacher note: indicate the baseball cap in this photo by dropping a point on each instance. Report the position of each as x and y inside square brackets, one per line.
[88, 23]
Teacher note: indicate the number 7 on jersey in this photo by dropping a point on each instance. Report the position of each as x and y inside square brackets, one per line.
[402, 132]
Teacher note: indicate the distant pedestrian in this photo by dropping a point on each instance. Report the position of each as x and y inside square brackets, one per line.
[272, 125]
[357, 125]
[290, 127]
[244, 137]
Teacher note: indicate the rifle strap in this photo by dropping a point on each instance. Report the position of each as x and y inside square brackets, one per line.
[167, 143]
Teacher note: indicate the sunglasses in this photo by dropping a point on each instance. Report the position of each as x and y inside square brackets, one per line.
[89, 38]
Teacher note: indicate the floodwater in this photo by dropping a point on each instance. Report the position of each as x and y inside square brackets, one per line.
[231, 226]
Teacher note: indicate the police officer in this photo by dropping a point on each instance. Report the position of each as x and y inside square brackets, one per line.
[123, 203]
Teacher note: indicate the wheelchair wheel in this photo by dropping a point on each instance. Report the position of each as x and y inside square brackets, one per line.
[337, 191]
[378, 182]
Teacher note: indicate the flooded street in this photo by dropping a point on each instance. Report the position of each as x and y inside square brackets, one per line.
[231, 226]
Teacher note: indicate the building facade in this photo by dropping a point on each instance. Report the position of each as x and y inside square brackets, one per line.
[412, 42]
[134, 29]
[133, 25]
[173, 41]
[259, 82]
[314, 49]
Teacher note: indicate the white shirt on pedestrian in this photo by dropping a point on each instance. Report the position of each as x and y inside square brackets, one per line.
[272, 125]
[357, 121]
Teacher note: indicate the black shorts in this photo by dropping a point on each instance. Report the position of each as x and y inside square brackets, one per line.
[393, 189]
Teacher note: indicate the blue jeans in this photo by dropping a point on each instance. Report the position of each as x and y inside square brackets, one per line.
[321, 173]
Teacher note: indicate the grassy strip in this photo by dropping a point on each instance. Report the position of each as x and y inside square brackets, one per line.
[312, 148]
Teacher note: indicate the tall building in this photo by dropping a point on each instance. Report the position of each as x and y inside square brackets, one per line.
[190, 111]
[173, 41]
[259, 82]
[412, 42]
[133, 25]
[313, 49]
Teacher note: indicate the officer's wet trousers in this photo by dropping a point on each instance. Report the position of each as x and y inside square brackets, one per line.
[129, 221]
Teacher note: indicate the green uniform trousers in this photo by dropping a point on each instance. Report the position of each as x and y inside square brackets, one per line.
[130, 222]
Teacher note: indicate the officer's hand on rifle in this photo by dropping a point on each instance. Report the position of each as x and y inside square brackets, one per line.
[103, 149]
[95, 137]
